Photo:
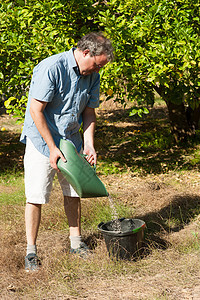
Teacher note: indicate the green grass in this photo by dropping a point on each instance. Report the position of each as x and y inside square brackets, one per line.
[13, 178]
[16, 197]
[147, 152]
[143, 147]
[97, 211]
[12, 191]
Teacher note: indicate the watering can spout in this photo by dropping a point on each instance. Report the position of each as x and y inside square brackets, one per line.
[79, 173]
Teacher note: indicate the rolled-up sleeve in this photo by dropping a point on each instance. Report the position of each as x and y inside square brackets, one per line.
[43, 84]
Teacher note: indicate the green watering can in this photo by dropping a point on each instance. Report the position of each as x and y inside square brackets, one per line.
[79, 173]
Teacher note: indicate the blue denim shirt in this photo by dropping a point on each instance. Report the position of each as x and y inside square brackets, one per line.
[57, 80]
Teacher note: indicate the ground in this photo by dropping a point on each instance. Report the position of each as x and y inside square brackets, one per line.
[167, 201]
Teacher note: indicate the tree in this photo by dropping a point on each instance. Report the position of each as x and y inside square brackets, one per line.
[157, 48]
[31, 31]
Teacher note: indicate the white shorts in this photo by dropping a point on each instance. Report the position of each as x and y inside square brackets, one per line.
[39, 175]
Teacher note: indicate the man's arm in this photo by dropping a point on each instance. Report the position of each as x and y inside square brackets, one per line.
[36, 110]
[89, 124]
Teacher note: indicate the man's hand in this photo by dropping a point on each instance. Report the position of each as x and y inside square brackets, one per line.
[89, 122]
[55, 154]
[36, 109]
[91, 155]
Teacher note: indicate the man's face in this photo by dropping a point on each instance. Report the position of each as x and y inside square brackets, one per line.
[90, 64]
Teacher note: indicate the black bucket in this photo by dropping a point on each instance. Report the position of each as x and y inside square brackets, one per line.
[126, 243]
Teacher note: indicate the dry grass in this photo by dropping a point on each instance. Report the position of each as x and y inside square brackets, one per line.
[168, 268]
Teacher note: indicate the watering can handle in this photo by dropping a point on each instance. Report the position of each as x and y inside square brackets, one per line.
[94, 166]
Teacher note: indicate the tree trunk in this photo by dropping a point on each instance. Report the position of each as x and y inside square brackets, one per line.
[193, 117]
[180, 127]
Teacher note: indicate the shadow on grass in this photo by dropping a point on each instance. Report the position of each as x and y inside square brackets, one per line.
[123, 142]
[145, 145]
[136, 144]
[11, 153]
[172, 218]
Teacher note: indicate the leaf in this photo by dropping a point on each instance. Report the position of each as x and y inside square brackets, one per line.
[145, 110]
[133, 112]
[8, 102]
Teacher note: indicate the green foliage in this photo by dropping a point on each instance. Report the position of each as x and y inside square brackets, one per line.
[157, 49]
[139, 111]
[17, 107]
[156, 44]
[31, 31]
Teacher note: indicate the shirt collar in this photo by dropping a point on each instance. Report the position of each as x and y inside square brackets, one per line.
[72, 62]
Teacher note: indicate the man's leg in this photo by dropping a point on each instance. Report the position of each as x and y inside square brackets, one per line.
[72, 207]
[38, 182]
[32, 220]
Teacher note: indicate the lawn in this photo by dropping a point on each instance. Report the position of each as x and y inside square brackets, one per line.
[148, 178]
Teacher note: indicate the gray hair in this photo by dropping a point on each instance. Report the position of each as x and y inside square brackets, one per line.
[97, 44]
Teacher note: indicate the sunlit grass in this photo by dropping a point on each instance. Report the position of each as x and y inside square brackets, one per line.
[12, 189]
[98, 210]
[15, 197]
[147, 150]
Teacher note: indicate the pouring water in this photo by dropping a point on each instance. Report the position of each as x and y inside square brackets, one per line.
[116, 222]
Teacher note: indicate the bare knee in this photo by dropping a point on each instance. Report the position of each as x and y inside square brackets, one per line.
[32, 207]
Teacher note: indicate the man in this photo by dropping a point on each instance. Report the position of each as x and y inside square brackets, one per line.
[64, 93]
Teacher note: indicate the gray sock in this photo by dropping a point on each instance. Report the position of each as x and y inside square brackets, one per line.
[75, 241]
[31, 249]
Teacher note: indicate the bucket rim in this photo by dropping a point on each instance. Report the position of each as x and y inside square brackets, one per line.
[118, 233]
